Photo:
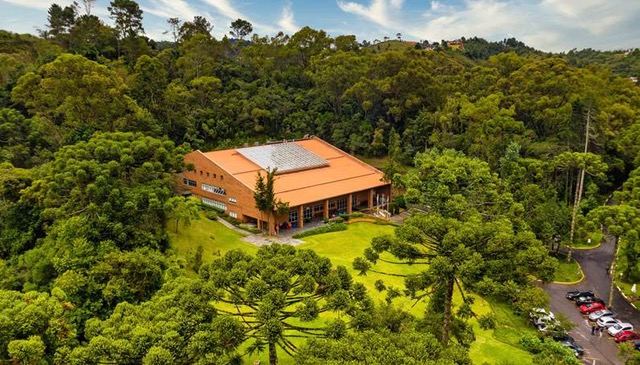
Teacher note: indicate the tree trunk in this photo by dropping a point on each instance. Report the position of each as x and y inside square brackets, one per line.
[273, 355]
[448, 302]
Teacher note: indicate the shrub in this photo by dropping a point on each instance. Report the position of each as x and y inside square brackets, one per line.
[211, 214]
[487, 322]
[332, 227]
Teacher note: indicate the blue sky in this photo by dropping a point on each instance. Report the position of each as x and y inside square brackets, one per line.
[550, 25]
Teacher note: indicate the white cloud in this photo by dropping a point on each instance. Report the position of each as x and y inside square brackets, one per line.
[287, 22]
[226, 9]
[170, 9]
[378, 11]
[37, 4]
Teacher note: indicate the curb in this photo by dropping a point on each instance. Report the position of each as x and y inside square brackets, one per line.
[587, 248]
[625, 296]
[582, 277]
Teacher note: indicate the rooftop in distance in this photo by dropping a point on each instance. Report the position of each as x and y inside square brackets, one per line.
[285, 157]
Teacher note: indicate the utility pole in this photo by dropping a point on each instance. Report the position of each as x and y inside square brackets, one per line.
[579, 188]
[612, 269]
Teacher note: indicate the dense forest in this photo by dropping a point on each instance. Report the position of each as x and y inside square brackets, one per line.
[509, 151]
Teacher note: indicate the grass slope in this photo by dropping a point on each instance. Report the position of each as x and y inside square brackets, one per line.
[491, 346]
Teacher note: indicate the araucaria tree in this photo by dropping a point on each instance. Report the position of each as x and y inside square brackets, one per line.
[280, 287]
[265, 197]
[471, 238]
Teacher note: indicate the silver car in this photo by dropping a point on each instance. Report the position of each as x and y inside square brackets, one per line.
[601, 313]
[606, 322]
[617, 328]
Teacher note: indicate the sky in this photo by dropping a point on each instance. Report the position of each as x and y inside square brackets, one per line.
[548, 25]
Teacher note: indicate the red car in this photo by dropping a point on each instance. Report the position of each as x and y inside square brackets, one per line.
[591, 307]
[626, 336]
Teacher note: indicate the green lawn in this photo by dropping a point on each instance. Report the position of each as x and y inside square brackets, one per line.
[491, 346]
[568, 271]
[215, 238]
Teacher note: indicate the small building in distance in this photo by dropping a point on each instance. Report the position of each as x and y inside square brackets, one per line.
[318, 181]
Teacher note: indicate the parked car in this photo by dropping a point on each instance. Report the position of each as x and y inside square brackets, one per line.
[542, 319]
[626, 336]
[562, 337]
[586, 300]
[601, 313]
[606, 322]
[617, 328]
[636, 343]
[573, 295]
[577, 349]
[591, 307]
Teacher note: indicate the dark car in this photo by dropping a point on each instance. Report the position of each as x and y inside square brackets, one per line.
[636, 343]
[563, 337]
[577, 349]
[573, 295]
[588, 300]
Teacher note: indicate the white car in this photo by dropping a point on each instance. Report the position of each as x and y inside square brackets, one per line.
[601, 313]
[617, 328]
[607, 322]
[542, 319]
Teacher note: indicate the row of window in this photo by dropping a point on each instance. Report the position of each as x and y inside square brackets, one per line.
[214, 175]
[214, 203]
[189, 182]
[213, 189]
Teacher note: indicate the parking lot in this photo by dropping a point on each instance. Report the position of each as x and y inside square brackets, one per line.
[598, 350]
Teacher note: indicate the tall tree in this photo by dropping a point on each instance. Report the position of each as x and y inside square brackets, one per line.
[240, 28]
[127, 16]
[280, 289]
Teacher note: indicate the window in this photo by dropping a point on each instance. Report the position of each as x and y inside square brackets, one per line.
[307, 214]
[222, 177]
[213, 189]
[214, 176]
[232, 200]
[293, 216]
[207, 173]
[189, 182]
[342, 204]
[318, 208]
[354, 201]
[214, 203]
[200, 172]
[332, 204]
[233, 214]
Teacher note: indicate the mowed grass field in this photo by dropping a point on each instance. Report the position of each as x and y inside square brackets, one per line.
[491, 346]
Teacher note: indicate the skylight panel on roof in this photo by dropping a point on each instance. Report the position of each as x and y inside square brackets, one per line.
[286, 157]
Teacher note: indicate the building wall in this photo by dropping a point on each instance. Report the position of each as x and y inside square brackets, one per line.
[211, 174]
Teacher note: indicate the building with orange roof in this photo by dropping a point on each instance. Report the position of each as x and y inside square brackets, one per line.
[318, 181]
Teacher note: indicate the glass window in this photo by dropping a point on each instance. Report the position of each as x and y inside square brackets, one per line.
[189, 182]
[342, 204]
[318, 208]
[213, 189]
[332, 204]
[232, 200]
[214, 203]
[307, 214]
[293, 215]
[233, 214]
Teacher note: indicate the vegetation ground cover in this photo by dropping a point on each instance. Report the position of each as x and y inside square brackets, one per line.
[492, 346]
[568, 271]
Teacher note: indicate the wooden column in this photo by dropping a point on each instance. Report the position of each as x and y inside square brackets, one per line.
[371, 199]
[349, 203]
[300, 216]
[325, 213]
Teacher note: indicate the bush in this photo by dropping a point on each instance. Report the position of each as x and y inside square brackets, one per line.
[337, 220]
[487, 322]
[531, 343]
[332, 227]
[211, 214]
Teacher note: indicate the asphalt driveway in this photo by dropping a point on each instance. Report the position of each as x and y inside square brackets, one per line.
[599, 350]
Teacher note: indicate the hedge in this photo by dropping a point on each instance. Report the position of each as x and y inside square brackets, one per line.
[333, 227]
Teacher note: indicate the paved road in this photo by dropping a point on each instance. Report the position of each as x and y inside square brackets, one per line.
[594, 264]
